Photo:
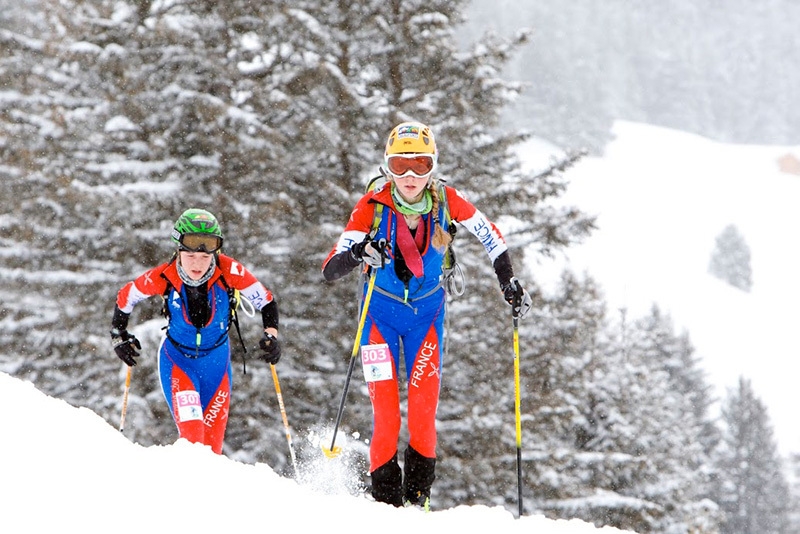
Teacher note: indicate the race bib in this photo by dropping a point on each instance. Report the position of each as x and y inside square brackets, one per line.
[377, 362]
[188, 403]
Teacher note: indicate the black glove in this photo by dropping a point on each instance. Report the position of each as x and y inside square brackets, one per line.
[271, 349]
[125, 345]
[373, 253]
[517, 297]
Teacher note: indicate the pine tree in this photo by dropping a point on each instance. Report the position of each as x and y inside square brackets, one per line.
[794, 486]
[752, 490]
[620, 432]
[730, 260]
[670, 409]
[654, 402]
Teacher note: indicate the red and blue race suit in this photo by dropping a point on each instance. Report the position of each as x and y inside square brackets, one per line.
[409, 311]
[195, 360]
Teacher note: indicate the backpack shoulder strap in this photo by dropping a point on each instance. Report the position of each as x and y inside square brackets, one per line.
[234, 299]
[167, 288]
[443, 201]
[374, 183]
[450, 263]
[376, 219]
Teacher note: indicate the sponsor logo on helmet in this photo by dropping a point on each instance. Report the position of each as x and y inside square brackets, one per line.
[408, 130]
[203, 220]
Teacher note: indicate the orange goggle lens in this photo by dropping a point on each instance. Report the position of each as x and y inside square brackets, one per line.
[418, 165]
[201, 243]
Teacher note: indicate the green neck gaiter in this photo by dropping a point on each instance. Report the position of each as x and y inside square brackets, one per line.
[418, 208]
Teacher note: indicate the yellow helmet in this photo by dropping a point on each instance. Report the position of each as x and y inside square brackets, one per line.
[411, 151]
[411, 138]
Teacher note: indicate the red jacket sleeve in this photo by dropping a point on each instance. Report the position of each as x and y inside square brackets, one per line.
[237, 276]
[146, 285]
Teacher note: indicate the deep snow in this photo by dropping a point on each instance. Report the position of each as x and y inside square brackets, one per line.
[66, 469]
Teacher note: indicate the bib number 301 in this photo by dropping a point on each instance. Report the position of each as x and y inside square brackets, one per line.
[377, 362]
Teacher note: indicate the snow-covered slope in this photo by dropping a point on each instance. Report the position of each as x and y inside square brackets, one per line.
[662, 197]
[65, 468]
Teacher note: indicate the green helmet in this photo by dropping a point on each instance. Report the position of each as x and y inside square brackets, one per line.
[196, 221]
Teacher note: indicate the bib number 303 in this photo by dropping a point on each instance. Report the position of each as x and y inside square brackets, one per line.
[377, 362]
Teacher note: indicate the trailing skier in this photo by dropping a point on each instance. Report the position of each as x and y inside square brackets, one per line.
[194, 356]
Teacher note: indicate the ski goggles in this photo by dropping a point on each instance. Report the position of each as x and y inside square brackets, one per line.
[200, 243]
[417, 165]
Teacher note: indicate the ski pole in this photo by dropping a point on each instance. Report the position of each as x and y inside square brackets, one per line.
[333, 452]
[517, 410]
[125, 399]
[285, 420]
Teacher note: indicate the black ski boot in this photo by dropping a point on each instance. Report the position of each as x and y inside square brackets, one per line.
[387, 483]
[419, 477]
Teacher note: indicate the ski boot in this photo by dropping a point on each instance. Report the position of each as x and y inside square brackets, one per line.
[419, 476]
[387, 483]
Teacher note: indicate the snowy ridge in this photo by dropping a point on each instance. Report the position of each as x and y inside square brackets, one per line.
[70, 468]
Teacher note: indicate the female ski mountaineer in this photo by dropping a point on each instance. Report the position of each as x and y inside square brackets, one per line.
[194, 356]
[400, 231]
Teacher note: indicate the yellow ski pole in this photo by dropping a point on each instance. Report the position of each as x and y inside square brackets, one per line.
[517, 411]
[333, 451]
[125, 399]
[285, 420]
